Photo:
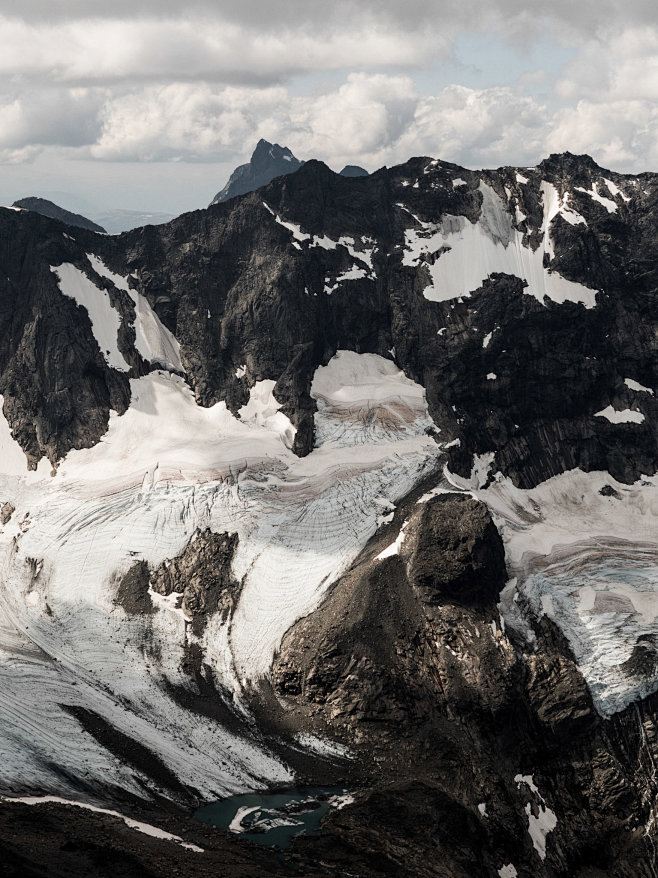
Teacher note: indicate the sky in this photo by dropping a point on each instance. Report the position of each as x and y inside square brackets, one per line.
[149, 105]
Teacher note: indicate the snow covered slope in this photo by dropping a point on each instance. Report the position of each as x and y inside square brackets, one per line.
[219, 427]
[165, 471]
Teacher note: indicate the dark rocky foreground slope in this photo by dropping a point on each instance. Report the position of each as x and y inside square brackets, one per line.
[475, 749]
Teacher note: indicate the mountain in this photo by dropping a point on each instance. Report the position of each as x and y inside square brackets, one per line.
[347, 483]
[268, 160]
[353, 171]
[49, 208]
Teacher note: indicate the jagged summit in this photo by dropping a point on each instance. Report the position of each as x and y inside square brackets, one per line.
[353, 480]
[54, 211]
[268, 160]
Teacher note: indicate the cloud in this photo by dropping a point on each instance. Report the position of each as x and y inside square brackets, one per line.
[159, 81]
[374, 119]
[109, 51]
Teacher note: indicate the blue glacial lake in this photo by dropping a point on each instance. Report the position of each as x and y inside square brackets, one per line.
[274, 818]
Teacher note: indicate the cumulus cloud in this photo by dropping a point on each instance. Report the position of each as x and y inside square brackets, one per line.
[376, 119]
[158, 81]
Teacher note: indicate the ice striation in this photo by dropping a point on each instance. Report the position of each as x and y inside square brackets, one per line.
[165, 471]
[582, 548]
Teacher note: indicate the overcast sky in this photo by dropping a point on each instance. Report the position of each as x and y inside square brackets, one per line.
[150, 104]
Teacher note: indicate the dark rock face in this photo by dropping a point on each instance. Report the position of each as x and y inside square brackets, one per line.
[133, 592]
[237, 288]
[452, 727]
[202, 575]
[454, 553]
[353, 171]
[268, 160]
[49, 208]
[555, 365]
[58, 389]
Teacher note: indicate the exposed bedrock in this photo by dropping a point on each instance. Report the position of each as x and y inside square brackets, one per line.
[521, 340]
[465, 744]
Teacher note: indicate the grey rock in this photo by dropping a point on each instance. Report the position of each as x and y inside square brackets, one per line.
[353, 171]
[268, 160]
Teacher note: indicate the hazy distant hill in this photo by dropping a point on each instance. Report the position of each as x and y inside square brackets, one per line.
[49, 208]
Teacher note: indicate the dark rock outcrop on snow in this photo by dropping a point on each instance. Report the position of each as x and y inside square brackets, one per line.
[202, 576]
[457, 734]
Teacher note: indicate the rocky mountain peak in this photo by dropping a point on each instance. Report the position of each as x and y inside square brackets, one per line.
[268, 160]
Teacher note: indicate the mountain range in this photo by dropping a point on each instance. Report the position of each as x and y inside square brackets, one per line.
[343, 482]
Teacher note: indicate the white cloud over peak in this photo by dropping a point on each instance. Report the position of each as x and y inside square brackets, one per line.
[163, 81]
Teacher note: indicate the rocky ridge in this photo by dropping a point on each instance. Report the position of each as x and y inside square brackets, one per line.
[474, 741]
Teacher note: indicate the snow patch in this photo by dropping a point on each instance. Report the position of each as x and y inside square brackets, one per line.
[626, 416]
[293, 228]
[105, 321]
[458, 182]
[521, 179]
[153, 340]
[635, 385]
[507, 871]
[593, 193]
[539, 826]
[322, 746]
[394, 548]
[459, 255]
[615, 191]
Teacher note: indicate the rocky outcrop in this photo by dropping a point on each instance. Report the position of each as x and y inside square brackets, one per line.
[202, 575]
[453, 552]
[268, 160]
[484, 739]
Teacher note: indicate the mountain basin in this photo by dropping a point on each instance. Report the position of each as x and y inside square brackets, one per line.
[274, 819]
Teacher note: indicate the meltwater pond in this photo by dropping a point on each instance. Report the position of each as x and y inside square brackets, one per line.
[274, 818]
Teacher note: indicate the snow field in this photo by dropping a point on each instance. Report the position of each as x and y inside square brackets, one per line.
[164, 471]
[474, 251]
